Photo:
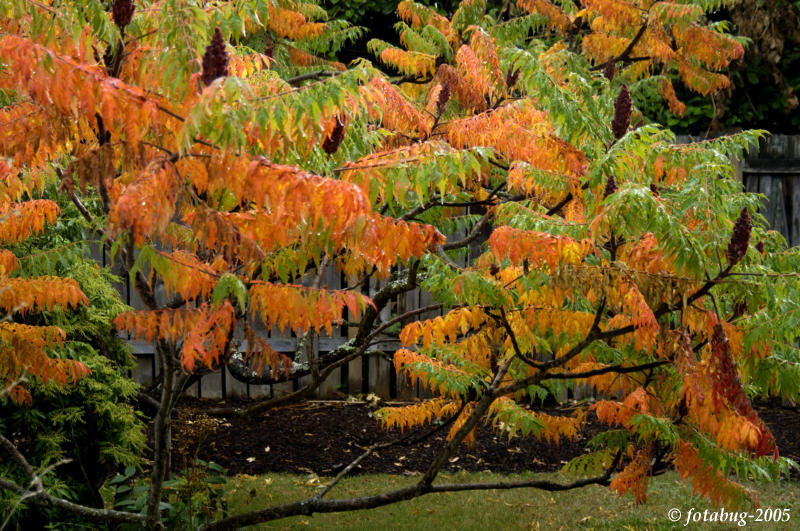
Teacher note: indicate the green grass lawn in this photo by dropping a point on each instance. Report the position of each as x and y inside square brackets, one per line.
[592, 507]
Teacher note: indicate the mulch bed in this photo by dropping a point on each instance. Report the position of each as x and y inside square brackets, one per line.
[323, 437]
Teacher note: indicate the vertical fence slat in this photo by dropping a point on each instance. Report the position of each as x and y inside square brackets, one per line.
[778, 204]
[259, 391]
[794, 209]
[192, 390]
[143, 372]
[282, 389]
[211, 385]
[233, 387]
[379, 377]
[765, 188]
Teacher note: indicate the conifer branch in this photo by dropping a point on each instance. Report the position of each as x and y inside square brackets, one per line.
[39, 496]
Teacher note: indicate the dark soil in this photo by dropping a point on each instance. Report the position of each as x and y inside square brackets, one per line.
[323, 437]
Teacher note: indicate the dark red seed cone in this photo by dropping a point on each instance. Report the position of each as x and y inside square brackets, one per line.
[269, 46]
[68, 179]
[332, 142]
[444, 97]
[622, 113]
[122, 12]
[512, 76]
[609, 70]
[611, 186]
[740, 238]
[215, 60]
[683, 407]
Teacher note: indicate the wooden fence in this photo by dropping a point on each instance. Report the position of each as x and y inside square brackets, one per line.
[373, 373]
[774, 170]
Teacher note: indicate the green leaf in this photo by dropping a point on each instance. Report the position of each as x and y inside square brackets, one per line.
[230, 286]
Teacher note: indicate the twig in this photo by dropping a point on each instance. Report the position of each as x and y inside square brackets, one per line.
[296, 80]
[405, 440]
[473, 234]
[596, 372]
[402, 317]
[40, 496]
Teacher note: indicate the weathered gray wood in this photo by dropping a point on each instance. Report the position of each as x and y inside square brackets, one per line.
[96, 250]
[354, 376]
[583, 391]
[329, 387]
[211, 385]
[794, 194]
[282, 389]
[304, 381]
[123, 286]
[233, 387]
[143, 372]
[406, 389]
[140, 348]
[776, 170]
[778, 207]
[765, 188]
[424, 392]
[259, 391]
[775, 147]
[738, 169]
[793, 150]
[426, 299]
[379, 377]
[192, 390]
[751, 183]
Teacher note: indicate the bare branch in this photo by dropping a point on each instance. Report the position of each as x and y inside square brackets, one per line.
[469, 238]
[40, 496]
[319, 505]
[406, 440]
[320, 74]
[619, 369]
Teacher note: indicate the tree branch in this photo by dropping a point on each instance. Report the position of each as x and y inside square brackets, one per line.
[320, 74]
[400, 318]
[40, 496]
[406, 440]
[469, 238]
[595, 333]
[531, 483]
[319, 505]
[619, 369]
[342, 354]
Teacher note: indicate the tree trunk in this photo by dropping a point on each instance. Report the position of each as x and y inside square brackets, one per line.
[161, 433]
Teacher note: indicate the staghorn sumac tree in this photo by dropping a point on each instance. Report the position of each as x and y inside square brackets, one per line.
[232, 179]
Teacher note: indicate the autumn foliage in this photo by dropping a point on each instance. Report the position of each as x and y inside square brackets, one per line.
[500, 165]
[23, 348]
